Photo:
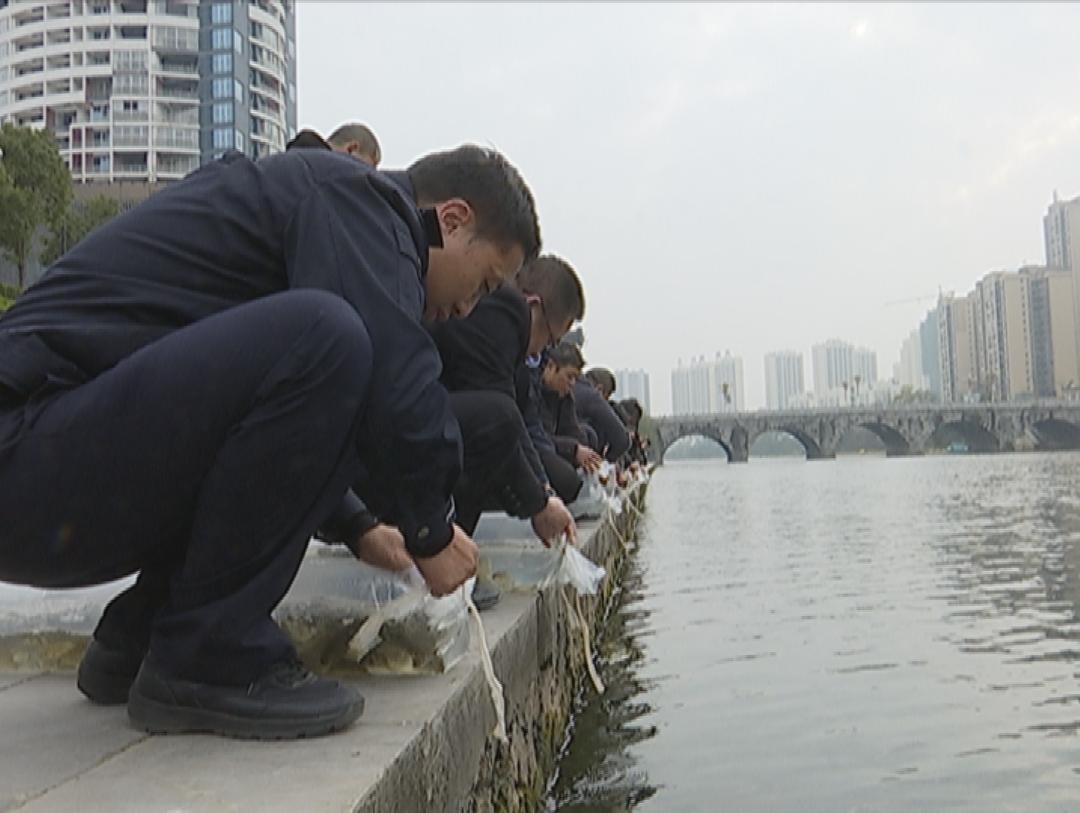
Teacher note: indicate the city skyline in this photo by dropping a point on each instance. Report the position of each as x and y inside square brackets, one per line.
[1015, 334]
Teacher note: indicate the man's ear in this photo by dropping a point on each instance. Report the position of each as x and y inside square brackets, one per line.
[352, 147]
[532, 299]
[454, 214]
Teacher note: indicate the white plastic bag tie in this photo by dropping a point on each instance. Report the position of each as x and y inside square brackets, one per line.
[576, 569]
[495, 688]
[577, 619]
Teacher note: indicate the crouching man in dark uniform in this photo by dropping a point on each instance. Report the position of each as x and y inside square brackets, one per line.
[190, 392]
[484, 369]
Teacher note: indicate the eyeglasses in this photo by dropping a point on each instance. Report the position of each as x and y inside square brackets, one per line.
[552, 341]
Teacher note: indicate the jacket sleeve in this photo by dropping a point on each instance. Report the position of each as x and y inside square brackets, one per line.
[566, 447]
[610, 430]
[568, 422]
[348, 523]
[346, 237]
[481, 352]
[527, 398]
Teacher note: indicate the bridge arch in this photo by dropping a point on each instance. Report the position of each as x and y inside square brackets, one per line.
[973, 436]
[896, 444]
[771, 443]
[695, 432]
[1056, 434]
[810, 446]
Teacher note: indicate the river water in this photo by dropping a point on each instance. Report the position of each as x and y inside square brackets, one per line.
[851, 635]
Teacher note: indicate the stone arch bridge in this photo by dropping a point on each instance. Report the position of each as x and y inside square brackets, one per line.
[904, 430]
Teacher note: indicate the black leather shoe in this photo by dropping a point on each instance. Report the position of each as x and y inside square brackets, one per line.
[485, 595]
[105, 674]
[286, 702]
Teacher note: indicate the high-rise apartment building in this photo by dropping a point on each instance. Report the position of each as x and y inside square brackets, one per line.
[1007, 371]
[833, 366]
[931, 352]
[708, 386]
[909, 370]
[1055, 361]
[633, 384]
[1061, 231]
[726, 381]
[784, 380]
[958, 349]
[864, 367]
[147, 90]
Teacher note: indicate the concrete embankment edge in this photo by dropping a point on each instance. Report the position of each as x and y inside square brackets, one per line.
[454, 763]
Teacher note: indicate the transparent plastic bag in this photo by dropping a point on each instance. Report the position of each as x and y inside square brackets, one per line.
[576, 569]
[344, 616]
[528, 565]
[415, 632]
[591, 500]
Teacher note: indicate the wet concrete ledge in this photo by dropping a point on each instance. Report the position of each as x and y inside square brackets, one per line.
[423, 744]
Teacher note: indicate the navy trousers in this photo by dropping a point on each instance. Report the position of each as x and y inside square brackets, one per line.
[204, 461]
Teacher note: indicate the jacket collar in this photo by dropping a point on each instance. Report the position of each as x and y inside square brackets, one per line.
[429, 220]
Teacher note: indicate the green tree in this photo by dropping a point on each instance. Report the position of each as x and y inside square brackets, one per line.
[7, 297]
[81, 218]
[35, 191]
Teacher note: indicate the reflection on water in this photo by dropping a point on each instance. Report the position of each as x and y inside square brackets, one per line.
[870, 635]
[596, 771]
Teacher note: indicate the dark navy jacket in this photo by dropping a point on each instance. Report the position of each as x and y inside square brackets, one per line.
[485, 352]
[560, 420]
[593, 410]
[235, 231]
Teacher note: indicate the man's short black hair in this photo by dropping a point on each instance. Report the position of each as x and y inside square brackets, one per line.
[632, 407]
[565, 354]
[603, 378]
[504, 205]
[555, 281]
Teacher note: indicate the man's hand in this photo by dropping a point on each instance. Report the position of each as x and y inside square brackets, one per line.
[383, 547]
[447, 570]
[587, 459]
[553, 521]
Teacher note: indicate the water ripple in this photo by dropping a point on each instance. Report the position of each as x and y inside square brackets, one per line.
[808, 632]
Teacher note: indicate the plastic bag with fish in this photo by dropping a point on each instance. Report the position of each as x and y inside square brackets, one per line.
[345, 616]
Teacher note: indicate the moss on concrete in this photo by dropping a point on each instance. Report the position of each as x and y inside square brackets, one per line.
[513, 778]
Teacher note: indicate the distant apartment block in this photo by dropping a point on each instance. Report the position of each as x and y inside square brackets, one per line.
[145, 91]
[909, 370]
[1054, 330]
[1005, 365]
[1061, 231]
[840, 367]
[633, 384]
[930, 352]
[958, 347]
[784, 380]
[708, 386]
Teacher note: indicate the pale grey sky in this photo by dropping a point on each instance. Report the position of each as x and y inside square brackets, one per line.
[743, 177]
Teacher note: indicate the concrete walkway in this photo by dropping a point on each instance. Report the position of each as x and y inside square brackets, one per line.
[60, 752]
